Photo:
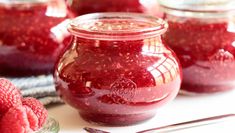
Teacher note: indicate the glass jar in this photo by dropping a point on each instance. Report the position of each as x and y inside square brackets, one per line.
[116, 70]
[51, 126]
[80, 7]
[202, 33]
[32, 34]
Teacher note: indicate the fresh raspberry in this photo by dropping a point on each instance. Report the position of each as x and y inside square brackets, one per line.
[32, 118]
[19, 119]
[37, 108]
[9, 96]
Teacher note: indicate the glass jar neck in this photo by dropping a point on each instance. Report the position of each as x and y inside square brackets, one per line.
[199, 8]
[120, 41]
[117, 26]
[148, 46]
[198, 14]
[10, 2]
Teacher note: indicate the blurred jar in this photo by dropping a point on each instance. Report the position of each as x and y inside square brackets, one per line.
[32, 34]
[80, 7]
[202, 33]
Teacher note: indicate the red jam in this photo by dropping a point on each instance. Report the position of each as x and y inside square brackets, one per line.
[32, 34]
[206, 49]
[80, 7]
[116, 70]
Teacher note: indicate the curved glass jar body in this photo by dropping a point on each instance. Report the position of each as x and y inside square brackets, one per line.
[117, 70]
[80, 7]
[32, 34]
[204, 41]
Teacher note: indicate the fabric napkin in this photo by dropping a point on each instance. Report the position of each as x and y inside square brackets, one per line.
[40, 87]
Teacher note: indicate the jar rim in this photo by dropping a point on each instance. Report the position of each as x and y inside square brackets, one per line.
[117, 26]
[22, 2]
[205, 6]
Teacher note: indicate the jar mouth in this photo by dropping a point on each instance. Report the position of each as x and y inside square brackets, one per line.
[117, 26]
[23, 2]
[205, 6]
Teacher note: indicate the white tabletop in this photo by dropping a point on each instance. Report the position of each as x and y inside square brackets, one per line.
[183, 108]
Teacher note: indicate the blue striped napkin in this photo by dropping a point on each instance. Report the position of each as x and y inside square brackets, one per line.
[40, 87]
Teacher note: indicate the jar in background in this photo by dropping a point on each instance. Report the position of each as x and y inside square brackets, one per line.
[202, 33]
[32, 34]
[116, 70]
[80, 7]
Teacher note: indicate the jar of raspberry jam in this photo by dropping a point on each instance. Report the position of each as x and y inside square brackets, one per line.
[32, 34]
[202, 33]
[116, 70]
[80, 7]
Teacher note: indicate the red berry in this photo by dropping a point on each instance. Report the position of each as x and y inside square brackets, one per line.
[32, 118]
[18, 120]
[9, 96]
[37, 108]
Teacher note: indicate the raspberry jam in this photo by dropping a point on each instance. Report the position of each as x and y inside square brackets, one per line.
[32, 34]
[80, 7]
[116, 70]
[204, 41]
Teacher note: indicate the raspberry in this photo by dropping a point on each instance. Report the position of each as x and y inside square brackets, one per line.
[19, 119]
[32, 118]
[9, 96]
[37, 108]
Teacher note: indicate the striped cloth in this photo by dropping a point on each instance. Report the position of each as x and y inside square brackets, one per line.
[40, 87]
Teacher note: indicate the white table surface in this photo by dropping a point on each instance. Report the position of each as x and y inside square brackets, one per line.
[183, 108]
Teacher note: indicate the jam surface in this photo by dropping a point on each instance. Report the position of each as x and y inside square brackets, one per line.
[80, 7]
[117, 82]
[206, 49]
[31, 37]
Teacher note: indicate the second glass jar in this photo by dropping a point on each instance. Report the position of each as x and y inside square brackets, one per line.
[80, 7]
[202, 33]
[32, 34]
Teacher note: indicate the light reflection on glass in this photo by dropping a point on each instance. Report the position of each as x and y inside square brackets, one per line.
[60, 32]
[233, 43]
[231, 25]
[56, 8]
[164, 70]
